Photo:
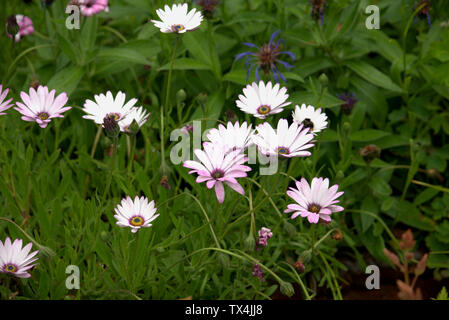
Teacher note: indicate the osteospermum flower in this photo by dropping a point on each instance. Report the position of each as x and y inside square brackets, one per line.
[107, 106]
[16, 260]
[135, 214]
[314, 202]
[262, 100]
[4, 105]
[217, 168]
[233, 136]
[177, 19]
[18, 26]
[313, 119]
[266, 58]
[91, 7]
[41, 105]
[137, 114]
[285, 141]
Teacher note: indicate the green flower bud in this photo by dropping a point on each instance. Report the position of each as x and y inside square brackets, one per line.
[45, 251]
[306, 256]
[104, 235]
[346, 126]
[202, 98]
[287, 288]
[181, 96]
[250, 243]
[323, 79]
[133, 128]
[289, 229]
[224, 260]
[340, 175]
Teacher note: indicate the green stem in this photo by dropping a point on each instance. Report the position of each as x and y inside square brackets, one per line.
[165, 104]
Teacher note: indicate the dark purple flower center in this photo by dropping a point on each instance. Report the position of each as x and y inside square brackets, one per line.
[217, 174]
[314, 208]
[113, 116]
[136, 221]
[43, 115]
[307, 123]
[283, 150]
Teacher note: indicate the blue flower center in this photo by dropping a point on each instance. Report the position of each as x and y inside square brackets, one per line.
[10, 268]
[177, 27]
[136, 221]
[283, 150]
[263, 109]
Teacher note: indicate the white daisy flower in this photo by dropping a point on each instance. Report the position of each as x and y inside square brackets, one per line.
[177, 19]
[136, 113]
[16, 260]
[105, 105]
[135, 214]
[233, 136]
[285, 141]
[313, 119]
[262, 100]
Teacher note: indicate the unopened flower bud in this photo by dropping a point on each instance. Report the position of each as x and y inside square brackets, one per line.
[250, 243]
[181, 95]
[133, 128]
[337, 235]
[287, 288]
[346, 126]
[289, 229]
[202, 98]
[111, 127]
[165, 183]
[340, 175]
[104, 235]
[323, 79]
[223, 258]
[306, 256]
[300, 266]
[12, 27]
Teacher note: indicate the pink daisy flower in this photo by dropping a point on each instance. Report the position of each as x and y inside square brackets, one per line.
[135, 214]
[41, 106]
[264, 235]
[91, 7]
[4, 105]
[216, 168]
[16, 260]
[24, 24]
[314, 202]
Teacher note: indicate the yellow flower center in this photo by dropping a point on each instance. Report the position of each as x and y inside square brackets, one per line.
[10, 268]
[263, 109]
[113, 116]
[43, 115]
[136, 221]
[314, 208]
[283, 150]
[177, 27]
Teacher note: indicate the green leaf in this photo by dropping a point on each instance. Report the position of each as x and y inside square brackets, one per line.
[237, 76]
[371, 74]
[68, 48]
[367, 135]
[124, 55]
[66, 80]
[379, 186]
[186, 64]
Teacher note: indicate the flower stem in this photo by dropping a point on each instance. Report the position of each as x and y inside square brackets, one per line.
[165, 105]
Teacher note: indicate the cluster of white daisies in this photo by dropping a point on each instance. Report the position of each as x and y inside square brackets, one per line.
[221, 162]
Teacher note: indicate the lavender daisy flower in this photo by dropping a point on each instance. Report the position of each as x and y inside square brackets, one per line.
[135, 214]
[16, 260]
[41, 105]
[18, 26]
[91, 7]
[266, 58]
[349, 100]
[218, 168]
[4, 105]
[314, 202]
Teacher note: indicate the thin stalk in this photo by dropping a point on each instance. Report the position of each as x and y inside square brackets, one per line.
[165, 104]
